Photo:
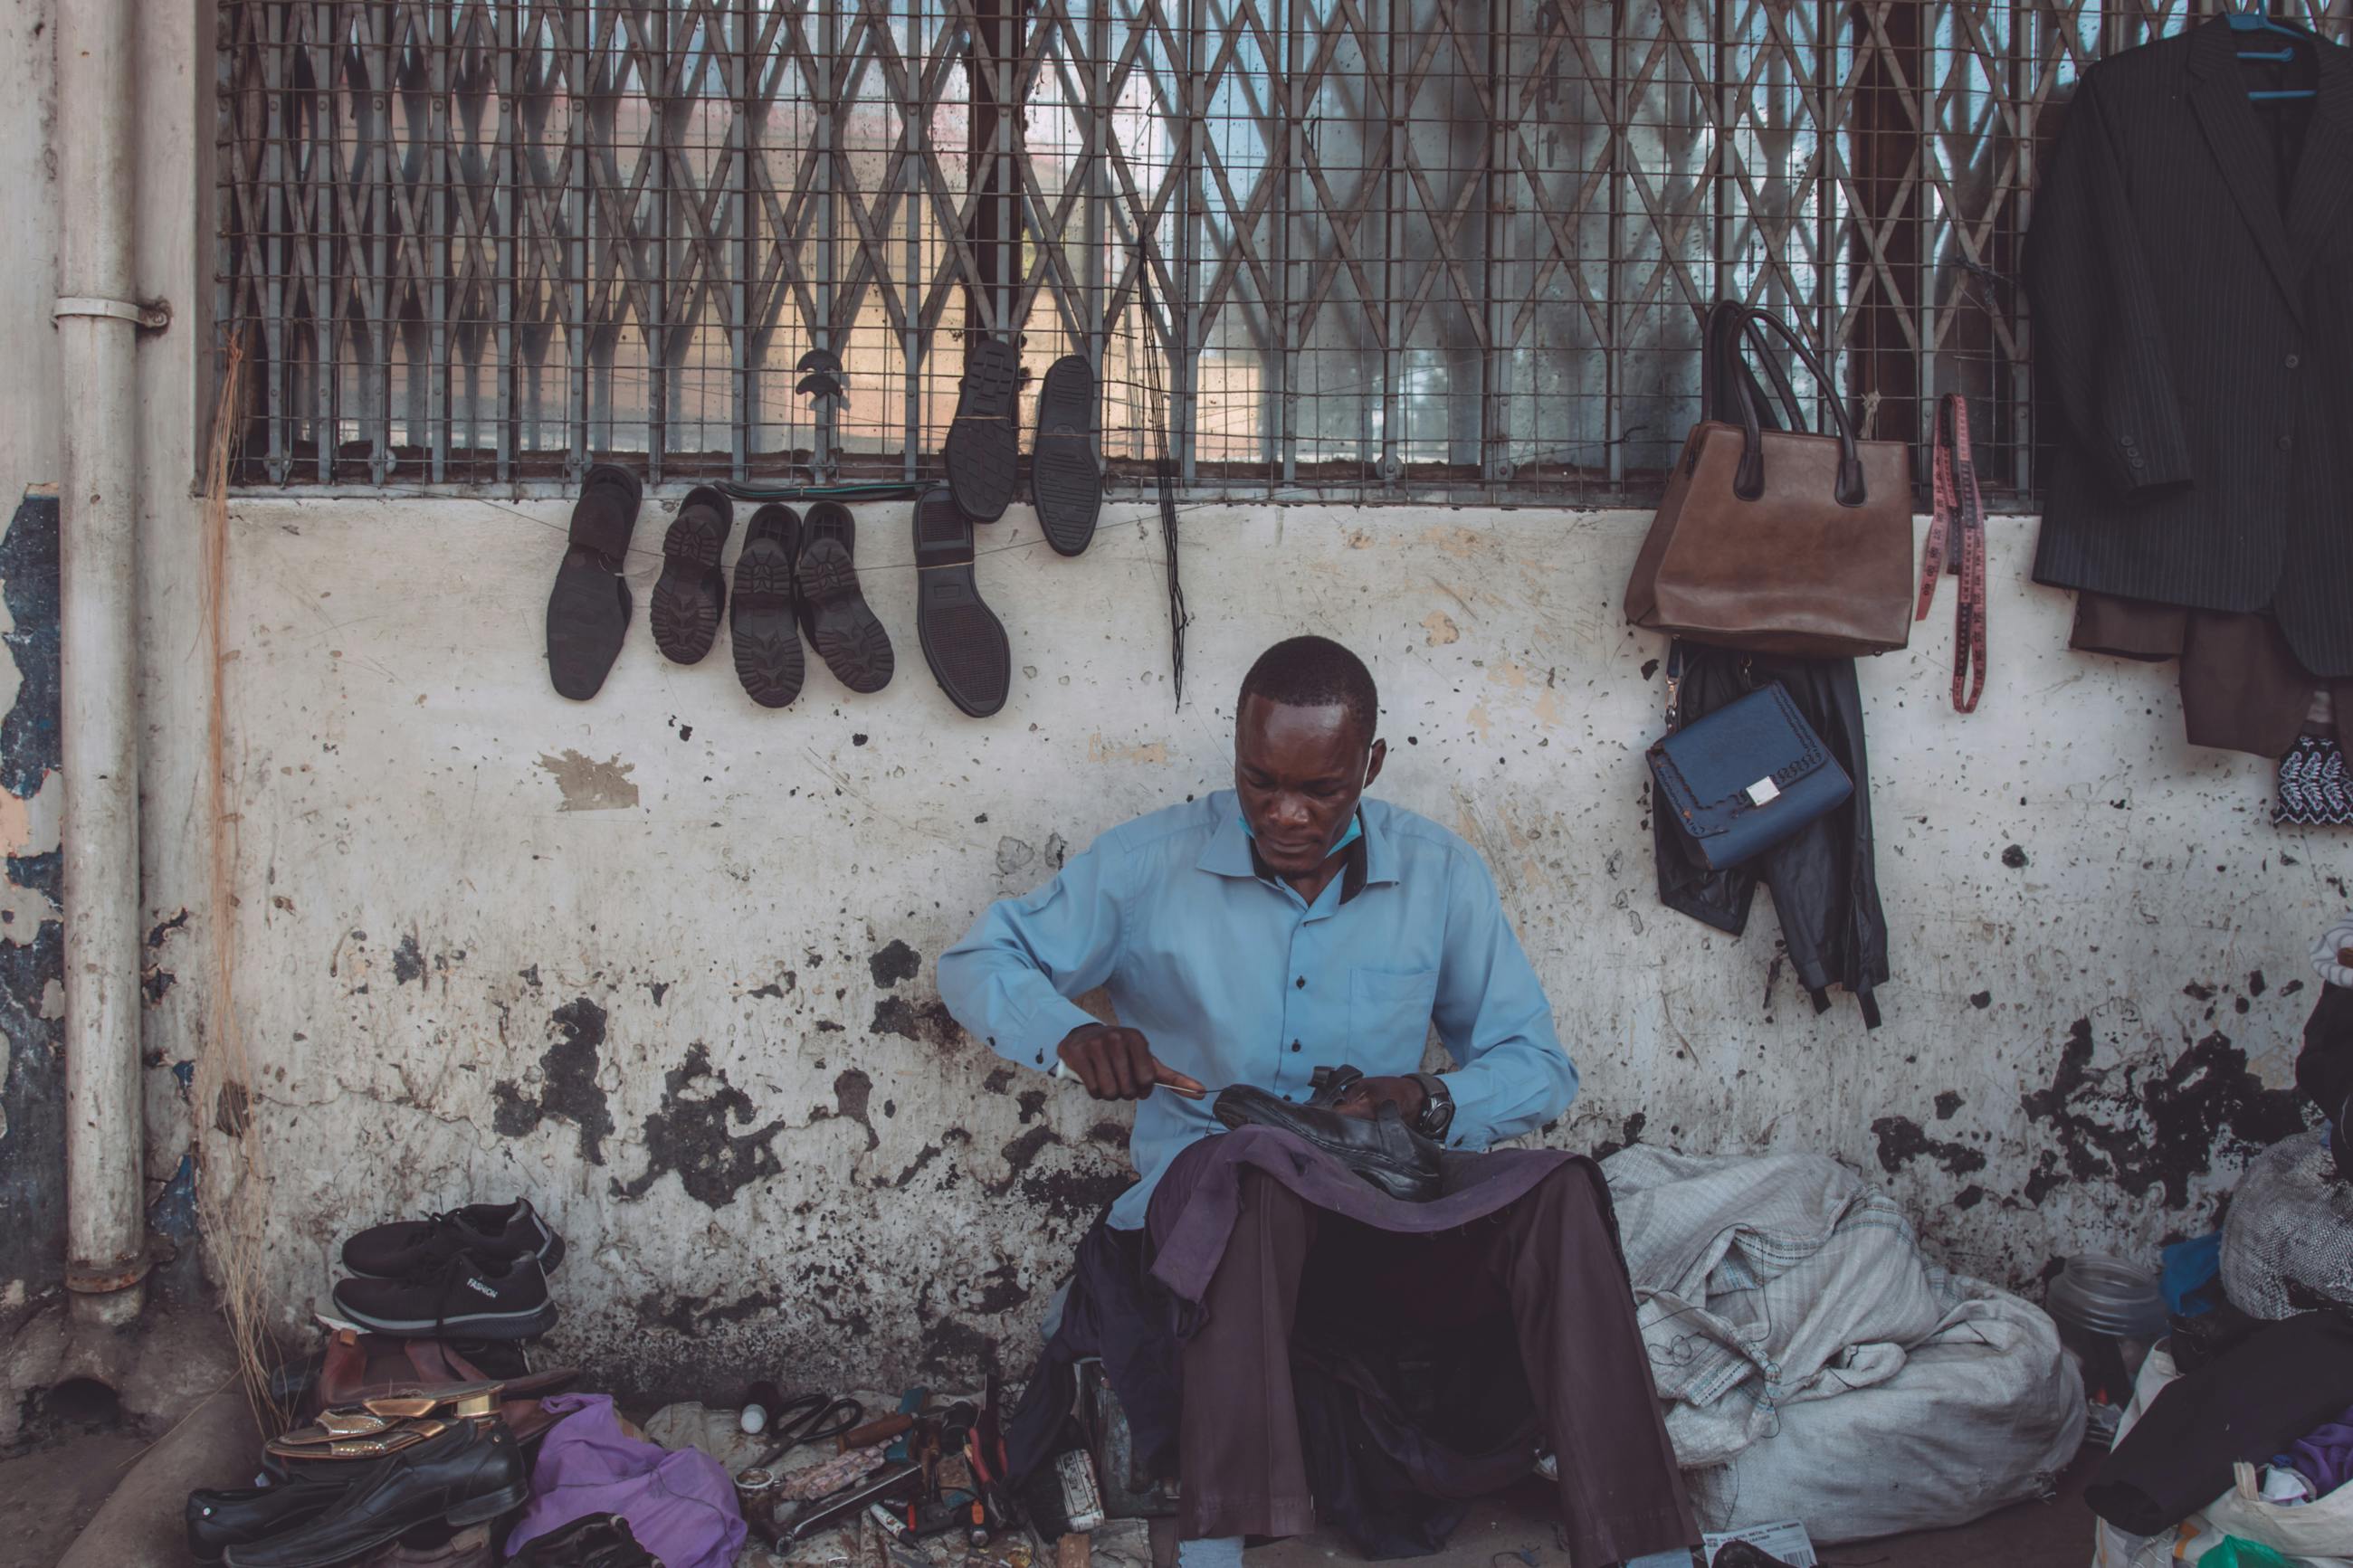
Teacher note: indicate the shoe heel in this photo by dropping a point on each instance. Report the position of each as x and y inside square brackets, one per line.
[553, 1256]
[477, 1509]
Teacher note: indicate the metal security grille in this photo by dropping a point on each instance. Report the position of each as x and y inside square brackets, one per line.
[1377, 249]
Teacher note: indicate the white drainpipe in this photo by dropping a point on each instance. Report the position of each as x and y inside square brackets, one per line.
[97, 324]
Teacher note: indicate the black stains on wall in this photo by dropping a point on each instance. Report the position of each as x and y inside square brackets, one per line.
[852, 1092]
[568, 1088]
[1629, 1134]
[2014, 857]
[1032, 1104]
[2146, 1129]
[1948, 1103]
[1901, 1140]
[998, 1081]
[691, 1135]
[32, 1084]
[894, 964]
[955, 1350]
[927, 1023]
[408, 960]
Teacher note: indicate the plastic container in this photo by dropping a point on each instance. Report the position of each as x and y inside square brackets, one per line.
[2107, 1296]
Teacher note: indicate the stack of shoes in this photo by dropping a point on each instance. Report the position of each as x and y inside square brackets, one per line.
[391, 1480]
[473, 1273]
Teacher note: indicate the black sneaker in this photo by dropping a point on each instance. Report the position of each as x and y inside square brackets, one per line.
[497, 1232]
[465, 1298]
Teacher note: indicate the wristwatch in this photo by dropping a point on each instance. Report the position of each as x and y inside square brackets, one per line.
[1436, 1107]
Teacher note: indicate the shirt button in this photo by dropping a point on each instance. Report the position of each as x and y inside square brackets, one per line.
[2293, 361]
[1295, 1045]
[2285, 443]
[1300, 983]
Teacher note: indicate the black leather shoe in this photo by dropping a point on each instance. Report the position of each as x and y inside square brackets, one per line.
[592, 1541]
[218, 1520]
[464, 1475]
[1383, 1149]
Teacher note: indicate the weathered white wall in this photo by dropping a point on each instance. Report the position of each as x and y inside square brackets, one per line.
[663, 960]
[679, 989]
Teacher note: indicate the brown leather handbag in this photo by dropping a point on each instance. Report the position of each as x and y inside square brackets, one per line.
[1779, 540]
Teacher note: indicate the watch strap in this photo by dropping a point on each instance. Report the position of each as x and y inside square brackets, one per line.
[1436, 1107]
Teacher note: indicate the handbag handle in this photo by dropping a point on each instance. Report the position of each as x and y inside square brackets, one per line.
[1749, 482]
[1722, 364]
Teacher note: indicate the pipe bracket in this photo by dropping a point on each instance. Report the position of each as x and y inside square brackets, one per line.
[106, 1279]
[152, 317]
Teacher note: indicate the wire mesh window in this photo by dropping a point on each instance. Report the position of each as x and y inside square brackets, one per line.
[1371, 248]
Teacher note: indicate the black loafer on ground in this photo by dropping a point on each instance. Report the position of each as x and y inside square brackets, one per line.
[691, 591]
[464, 1475]
[1382, 1150]
[592, 1541]
[494, 1231]
[964, 642]
[834, 613]
[588, 609]
[465, 1298]
[1065, 473]
[218, 1520]
[764, 609]
[982, 451]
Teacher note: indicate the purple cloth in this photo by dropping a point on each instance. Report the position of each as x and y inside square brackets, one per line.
[1201, 1194]
[681, 1506]
[2324, 1456]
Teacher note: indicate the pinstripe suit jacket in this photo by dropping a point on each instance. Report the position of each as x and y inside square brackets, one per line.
[2197, 343]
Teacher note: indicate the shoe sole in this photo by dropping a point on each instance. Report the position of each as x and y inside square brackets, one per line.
[768, 642]
[842, 627]
[1065, 475]
[529, 1323]
[587, 624]
[982, 452]
[691, 593]
[964, 642]
[474, 1510]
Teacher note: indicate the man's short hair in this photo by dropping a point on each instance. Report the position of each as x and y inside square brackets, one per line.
[1314, 672]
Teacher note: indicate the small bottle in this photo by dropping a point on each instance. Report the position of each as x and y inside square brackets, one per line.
[759, 1401]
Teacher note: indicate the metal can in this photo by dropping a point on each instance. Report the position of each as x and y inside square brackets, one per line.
[1074, 1468]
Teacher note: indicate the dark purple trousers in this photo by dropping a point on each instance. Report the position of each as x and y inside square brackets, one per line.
[1544, 1259]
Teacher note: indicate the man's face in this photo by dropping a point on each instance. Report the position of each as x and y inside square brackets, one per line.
[1299, 772]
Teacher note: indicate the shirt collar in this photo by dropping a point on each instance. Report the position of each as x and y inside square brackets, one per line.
[1230, 853]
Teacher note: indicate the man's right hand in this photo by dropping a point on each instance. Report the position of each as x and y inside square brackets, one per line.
[1117, 1063]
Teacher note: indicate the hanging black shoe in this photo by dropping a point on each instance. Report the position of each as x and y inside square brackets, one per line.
[764, 609]
[964, 642]
[834, 613]
[217, 1519]
[464, 1297]
[588, 609]
[465, 1474]
[495, 1231]
[691, 591]
[1065, 473]
[982, 450]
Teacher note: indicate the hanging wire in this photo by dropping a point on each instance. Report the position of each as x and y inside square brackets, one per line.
[1155, 418]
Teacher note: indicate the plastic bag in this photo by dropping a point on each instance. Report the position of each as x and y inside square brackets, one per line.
[2233, 1552]
[2322, 1528]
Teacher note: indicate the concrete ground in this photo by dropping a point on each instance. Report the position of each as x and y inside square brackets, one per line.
[2054, 1534]
[55, 1489]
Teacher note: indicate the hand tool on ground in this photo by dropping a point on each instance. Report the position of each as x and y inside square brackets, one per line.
[846, 1503]
[809, 1418]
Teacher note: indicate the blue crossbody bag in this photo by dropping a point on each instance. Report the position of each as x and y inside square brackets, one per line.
[1746, 777]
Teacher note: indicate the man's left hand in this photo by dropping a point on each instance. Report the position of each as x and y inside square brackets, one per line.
[1366, 1096]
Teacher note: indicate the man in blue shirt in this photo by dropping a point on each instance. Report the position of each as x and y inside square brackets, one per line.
[1249, 938]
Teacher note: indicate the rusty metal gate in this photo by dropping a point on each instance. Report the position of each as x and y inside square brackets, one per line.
[1372, 249]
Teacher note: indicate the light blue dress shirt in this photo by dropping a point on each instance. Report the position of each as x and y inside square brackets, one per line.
[1237, 979]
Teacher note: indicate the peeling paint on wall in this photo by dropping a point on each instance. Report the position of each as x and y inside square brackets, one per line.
[32, 937]
[591, 785]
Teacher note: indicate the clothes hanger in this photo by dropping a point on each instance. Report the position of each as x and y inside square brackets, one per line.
[2254, 21]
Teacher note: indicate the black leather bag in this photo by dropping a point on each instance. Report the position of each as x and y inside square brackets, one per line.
[1746, 777]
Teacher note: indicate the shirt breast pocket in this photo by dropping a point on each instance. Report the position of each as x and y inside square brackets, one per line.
[1389, 1018]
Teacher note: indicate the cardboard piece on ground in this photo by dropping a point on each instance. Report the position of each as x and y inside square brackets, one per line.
[1785, 1539]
